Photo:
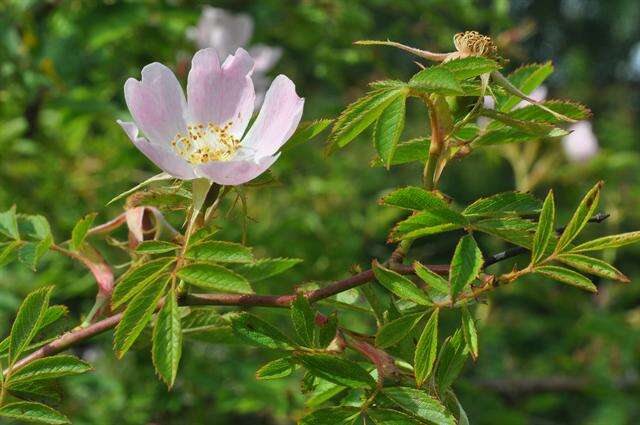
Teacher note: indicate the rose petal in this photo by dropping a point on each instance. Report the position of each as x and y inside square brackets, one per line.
[166, 159]
[581, 144]
[265, 57]
[222, 30]
[278, 118]
[157, 103]
[232, 173]
[221, 94]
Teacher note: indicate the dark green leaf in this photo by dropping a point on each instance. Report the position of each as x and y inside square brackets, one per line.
[426, 350]
[156, 247]
[342, 415]
[433, 280]
[436, 80]
[214, 277]
[275, 369]
[414, 198]
[327, 331]
[400, 285]
[420, 404]
[303, 319]
[336, 369]
[391, 417]
[49, 368]
[580, 217]
[544, 231]
[396, 330]
[470, 332]
[451, 360]
[526, 79]
[256, 331]
[388, 129]
[470, 67]
[33, 412]
[136, 279]
[30, 315]
[506, 203]
[269, 267]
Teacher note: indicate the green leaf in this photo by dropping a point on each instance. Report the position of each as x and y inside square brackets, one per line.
[512, 229]
[256, 331]
[156, 247]
[341, 415]
[451, 360]
[327, 331]
[592, 266]
[437, 282]
[303, 319]
[49, 368]
[9, 223]
[391, 417]
[470, 67]
[564, 275]
[414, 198]
[38, 391]
[158, 177]
[138, 278]
[219, 251]
[426, 223]
[533, 128]
[420, 404]
[506, 203]
[388, 129]
[507, 135]
[470, 332]
[305, 132]
[30, 315]
[9, 252]
[266, 268]
[136, 316]
[400, 285]
[465, 265]
[526, 79]
[215, 278]
[275, 369]
[544, 231]
[31, 252]
[409, 151]
[608, 242]
[33, 412]
[436, 79]
[336, 369]
[167, 340]
[426, 350]
[41, 227]
[79, 232]
[361, 114]
[569, 109]
[580, 217]
[396, 330]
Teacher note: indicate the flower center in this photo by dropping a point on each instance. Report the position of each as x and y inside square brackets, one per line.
[204, 143]
[472, 43]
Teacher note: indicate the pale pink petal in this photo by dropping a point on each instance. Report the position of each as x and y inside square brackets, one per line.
[265, 57]
[221, 94]
[581, 144]
[232, 173]
[278, 118]
[222, 30]
[157, 103]
[166, 159]
[539, 94]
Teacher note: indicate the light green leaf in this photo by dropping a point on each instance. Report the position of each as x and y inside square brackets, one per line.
[526, 79]
[436, 79]
[391, 417]
[420, 404]
[220, 251]
[544, 231]
[426, 350]
[507, 135]
[400, 285]
[8, 252]
[409, 151]
[593, 266]
[167, 340]
[336, 369]
[303, 319]
[396, 330]
[49, 368]
[388, 129]
[470, 332]
[506, 203]
[33, 412]
[564, 275]
[27, 323]
[31, 252]
[341, 415]
[9, 223]
[256, 331]
[137, 314]
[136, 279]
[360, 115]
[512, 229]
[608, 242]
[416, 199]
[79, 232]
[305, 132]
[451, 360]
[156, 247]
[158, 177]
[437, 282]
[470, 67]
[465, 265]
[41, 227]
[275, 369]
[569, 109]
[580, 217]
[214, 277]
[266, 268]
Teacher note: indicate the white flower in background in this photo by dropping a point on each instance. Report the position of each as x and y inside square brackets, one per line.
[203, 135]
[582, 143]
[226, 32]
[539, 94]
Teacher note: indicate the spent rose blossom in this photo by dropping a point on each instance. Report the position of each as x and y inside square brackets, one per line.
[581, 144]
[226, 32]
[203, 136]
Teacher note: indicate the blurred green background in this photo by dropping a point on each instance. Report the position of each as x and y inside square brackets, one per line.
[549, 354]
